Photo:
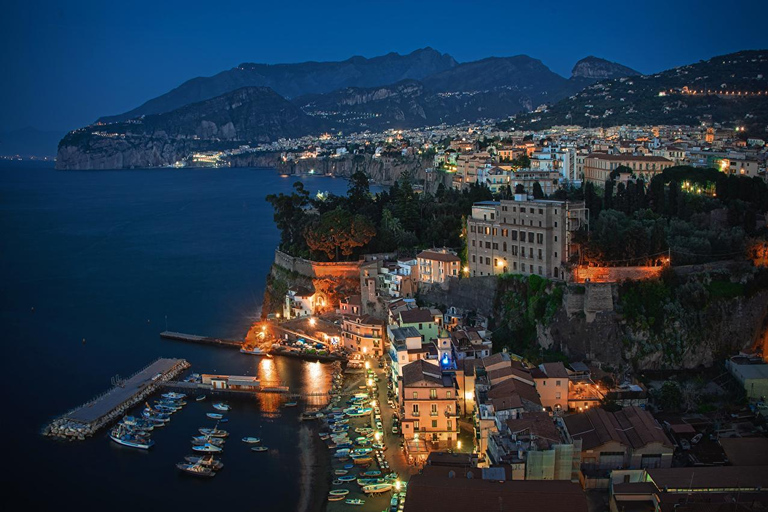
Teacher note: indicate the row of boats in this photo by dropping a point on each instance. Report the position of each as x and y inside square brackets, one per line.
[136, 431]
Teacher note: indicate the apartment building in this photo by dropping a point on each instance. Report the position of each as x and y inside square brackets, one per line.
[428, 408]
[437, 265]
[598, 166]
[522, 236]
[363, 334]
[468, 167]
[552, 383]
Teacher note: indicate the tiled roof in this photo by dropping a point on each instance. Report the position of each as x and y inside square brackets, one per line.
[746, 451]
[461, 494]
[555, 370]
[539, 424]
[438, 256]
[421, 372]
[705, 477]
[632, 427]
[413, 316]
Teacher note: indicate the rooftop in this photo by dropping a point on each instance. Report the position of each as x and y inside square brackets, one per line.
[632, 427]
[414, 316]
[438, 256]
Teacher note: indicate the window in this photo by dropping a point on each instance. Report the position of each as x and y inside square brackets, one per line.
[433, 394]
[514, 236]
[487, 261]
[473, 243]
[504, 232]
[557, 396]
[555, 223]
[557, 383]
[448, 395]
[539, 253]
[541, 212]
[495, 232]
[415, 409]
[514, 263]
[433, 410]
[495, 262]
[472, 228]
[450, 425]
[421, 326]
[415, 395]
[415, 426]
[539, 238]
[514, 250]
[522, 210]
[473, 258]
[530, 237]
[505, 246]
[495, 246]
[434, 423]
[487, 245]
[555, 238]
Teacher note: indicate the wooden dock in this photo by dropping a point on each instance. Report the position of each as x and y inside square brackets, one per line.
[194, 338]
[85, 420]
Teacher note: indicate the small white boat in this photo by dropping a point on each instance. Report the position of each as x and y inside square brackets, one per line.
[259, 449]
[174, 396]
[255, 351]
[251, 440]
[214, 415]
[221, 407]
[208, 448]
[291, 404]
[356, 501]
[200, 398]
[339, 492]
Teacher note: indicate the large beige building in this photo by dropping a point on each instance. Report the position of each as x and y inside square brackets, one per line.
[598, 166]
[522, 236]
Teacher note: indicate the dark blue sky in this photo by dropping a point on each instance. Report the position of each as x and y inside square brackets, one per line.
[66, 63]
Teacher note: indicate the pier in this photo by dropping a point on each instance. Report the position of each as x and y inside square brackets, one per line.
[87, 419]
[194, 338]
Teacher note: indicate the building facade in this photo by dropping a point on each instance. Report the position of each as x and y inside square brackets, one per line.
[522, 236]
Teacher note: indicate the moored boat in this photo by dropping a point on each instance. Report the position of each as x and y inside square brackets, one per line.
[221, 407]
[356, 501]
[290, 404]
[251, 440]
[174, 396]
[339, 492]
[213, 432]
[259, 449]
[214, 415]
[207, 448]
[377, 488]
[121, 436]
[196, 470]
[206, 460]
[200, 398]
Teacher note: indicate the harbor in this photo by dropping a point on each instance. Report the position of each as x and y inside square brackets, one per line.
[99, 412]
[194, 338]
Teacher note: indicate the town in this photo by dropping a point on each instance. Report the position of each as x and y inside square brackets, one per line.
[493, 408]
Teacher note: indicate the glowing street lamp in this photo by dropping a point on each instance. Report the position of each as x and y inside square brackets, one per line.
[367, 365]
[377, 436]
[370, 383]
[312, 321]
[398, 484]
[458, 444]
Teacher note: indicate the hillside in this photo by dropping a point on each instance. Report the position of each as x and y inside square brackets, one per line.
[291, 80]
[251, 114]
[730, 89]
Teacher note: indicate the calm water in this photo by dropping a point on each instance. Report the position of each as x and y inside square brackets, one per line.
[107, 256]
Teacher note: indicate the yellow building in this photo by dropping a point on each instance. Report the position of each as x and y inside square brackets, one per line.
[599, 166]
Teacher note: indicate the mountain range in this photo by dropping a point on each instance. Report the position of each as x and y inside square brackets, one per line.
[261, 103]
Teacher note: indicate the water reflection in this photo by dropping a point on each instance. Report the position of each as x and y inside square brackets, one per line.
[269, 402]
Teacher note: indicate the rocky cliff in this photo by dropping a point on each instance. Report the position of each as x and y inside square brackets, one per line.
[594, 68]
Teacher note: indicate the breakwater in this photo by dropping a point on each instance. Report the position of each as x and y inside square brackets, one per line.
[86, 420]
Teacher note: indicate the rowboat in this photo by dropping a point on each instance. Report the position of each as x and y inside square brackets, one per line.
[200, 440]
[290, 404]
[221, 407]
[371, 473]
[200, 398]
[356, 501]
[362, 461]
[377, 488]
[214, 415]
[206, 460]
[362, 482]
[174, 396]
[347, 478]
[337, 482]
[259, 449]
[251, 440]
[333, 497]
[339, 492]
[341, 472]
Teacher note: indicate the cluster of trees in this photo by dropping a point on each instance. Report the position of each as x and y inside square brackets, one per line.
[395, 220]
[698, 215]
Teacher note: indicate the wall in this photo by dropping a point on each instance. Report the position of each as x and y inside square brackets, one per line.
[317, 269]
[614, 274]
[470, 293]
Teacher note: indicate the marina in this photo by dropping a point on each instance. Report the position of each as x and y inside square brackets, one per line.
[87, 419]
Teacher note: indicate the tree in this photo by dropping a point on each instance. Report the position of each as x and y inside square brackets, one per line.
[339, 231]
[521, 161]
[358, 193]
[290, 217]
[538, 193]
[519, 189]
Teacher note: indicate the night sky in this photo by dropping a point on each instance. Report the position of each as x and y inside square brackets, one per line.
[66, 63]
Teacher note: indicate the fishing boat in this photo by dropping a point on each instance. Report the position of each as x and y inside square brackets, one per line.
[337, 482]
[206, 460]
[207, 448]
[356, 501]
[214, 415]
[362, 482]
[362, 461]
[259, 449]
[196, 470]
[377, 488]
[290, 404]
[200, 440]
[341, 472]
[200, 398]
[138, 423]
[371, 473]
[347, 478]
[174, 396]
[213, 432]
[155, 416]
[124, 437]
[251, 440]
[339, 492]
[333, 497]
[221, 407]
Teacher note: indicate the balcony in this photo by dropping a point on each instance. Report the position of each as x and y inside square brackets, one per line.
[433, 413]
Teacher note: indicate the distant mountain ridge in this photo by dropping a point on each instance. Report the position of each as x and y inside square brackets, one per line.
[291, 80]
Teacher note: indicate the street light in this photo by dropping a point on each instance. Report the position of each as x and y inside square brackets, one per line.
[312, 322]
[397, 485]
[367, 365]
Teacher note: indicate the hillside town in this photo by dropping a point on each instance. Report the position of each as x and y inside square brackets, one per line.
[481, 424]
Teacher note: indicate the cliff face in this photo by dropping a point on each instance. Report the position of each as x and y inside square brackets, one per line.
[595, 68]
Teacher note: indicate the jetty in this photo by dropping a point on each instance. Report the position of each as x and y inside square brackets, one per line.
[194, 338]
[86, 420]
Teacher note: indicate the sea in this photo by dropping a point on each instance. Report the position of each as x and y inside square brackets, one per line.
[93, 266]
